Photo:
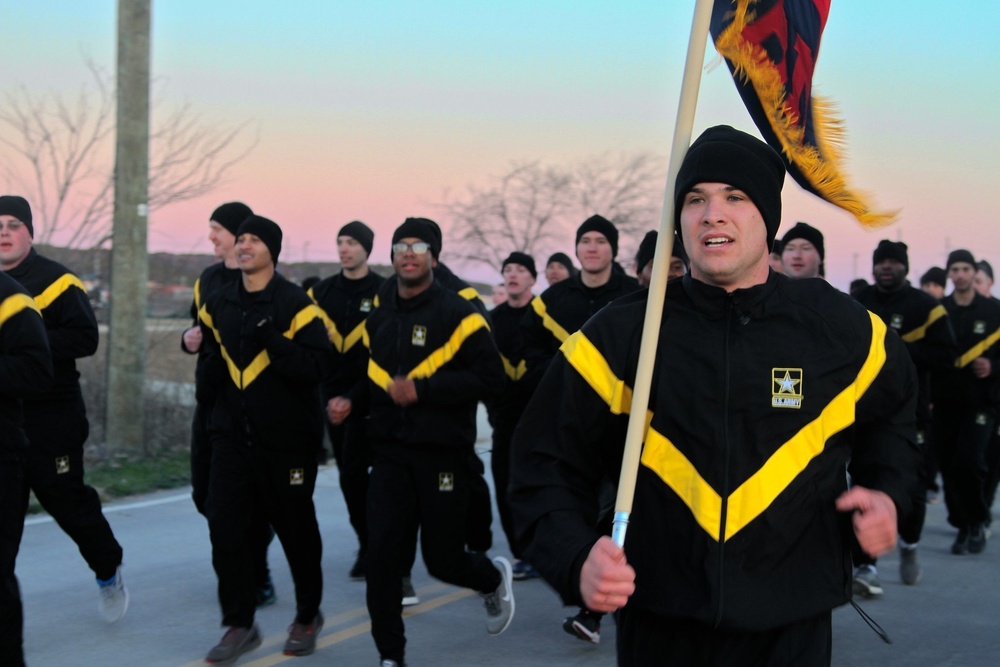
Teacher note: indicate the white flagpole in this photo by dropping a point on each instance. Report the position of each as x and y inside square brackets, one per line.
[661, 262]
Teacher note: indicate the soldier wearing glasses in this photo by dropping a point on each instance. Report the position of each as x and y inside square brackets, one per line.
[431, 360]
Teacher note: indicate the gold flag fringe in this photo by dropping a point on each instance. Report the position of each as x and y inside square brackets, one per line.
[820, 165]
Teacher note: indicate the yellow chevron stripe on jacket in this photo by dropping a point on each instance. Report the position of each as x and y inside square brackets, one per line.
[978, 350]
[757, 493]
[53, 291]
[433, 361]
[586, 360]
[515, 373]
[918, 334]
[594, 369]
[351, 339]
[14, 304]
[243, 378]
[341, 343]
[539, 307]
[332, 332]
[197, 295]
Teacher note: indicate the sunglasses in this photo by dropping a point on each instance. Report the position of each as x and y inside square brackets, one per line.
[418, 248]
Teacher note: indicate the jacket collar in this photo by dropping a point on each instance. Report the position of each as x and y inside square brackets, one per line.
[714, 302]
[266, 295]
[25, 265]
[393, 302]
[614, 282]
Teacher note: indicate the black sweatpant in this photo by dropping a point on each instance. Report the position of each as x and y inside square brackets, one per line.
[430, 486]
[54, 471]
[12, 508]
[261, 533]
[645, 639]
[910, 526]
[277, 484]
[992, 470]
[353, 456]
[962, 437]
[478, 522]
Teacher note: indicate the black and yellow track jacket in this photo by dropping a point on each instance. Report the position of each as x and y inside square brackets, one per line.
[345, 304]
[25, 362]
[439, 340]
[211, 280]
[758, 400]
[448, 280]
[977, 331]
[69, 320]
[509, 336]
[262, 380]
[560, 311]
[924, 326]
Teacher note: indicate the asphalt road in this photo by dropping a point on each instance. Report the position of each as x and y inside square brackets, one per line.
[949, 618]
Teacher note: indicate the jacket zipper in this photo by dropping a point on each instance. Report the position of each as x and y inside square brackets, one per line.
[724, 491]
[242, 364]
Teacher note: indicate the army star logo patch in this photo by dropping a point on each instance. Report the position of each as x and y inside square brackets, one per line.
[296, 477]
[979, 327]
[786, 388]
[419, 337]
[446, 481]
[366, 306]
[896, 322]
[62, 465]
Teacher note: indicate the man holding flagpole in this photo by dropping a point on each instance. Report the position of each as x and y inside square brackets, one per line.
[763, 388]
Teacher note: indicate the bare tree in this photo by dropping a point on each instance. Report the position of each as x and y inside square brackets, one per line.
[522, 210]
[534, 208]
[60, 155]
[627, 190]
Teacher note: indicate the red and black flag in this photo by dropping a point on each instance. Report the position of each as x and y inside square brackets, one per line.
[771, 48]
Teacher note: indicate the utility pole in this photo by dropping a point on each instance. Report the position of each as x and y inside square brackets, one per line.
[125, 428]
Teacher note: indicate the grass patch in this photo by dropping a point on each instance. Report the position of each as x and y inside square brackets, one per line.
[118, 477]
[122, 476]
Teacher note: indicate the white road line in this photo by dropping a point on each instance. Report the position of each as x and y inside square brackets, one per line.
[34, 521]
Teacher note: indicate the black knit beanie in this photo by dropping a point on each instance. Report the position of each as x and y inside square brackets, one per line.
[803, 230]
[596, 223]
[420, 228]
[679, 251]
[562, 258]
[647, 248]
[723, 154]
[19, 208]
[935, 275]
[231, 215]
[960, 255]
[891, 250]
[985, 267]
[361, 233]
[524, 259]
[266, 230]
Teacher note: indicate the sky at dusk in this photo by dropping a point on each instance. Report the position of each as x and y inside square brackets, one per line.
[374, 110]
